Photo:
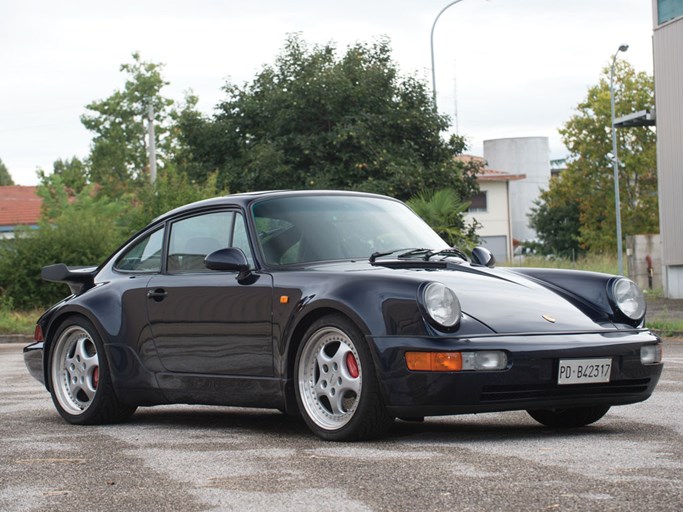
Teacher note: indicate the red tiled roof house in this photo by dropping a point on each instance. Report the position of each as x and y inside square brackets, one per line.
[19, 206]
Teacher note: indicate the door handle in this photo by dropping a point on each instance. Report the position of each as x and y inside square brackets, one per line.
[158, 294]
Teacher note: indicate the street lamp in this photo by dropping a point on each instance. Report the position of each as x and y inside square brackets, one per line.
[615, 161]
[432, 48]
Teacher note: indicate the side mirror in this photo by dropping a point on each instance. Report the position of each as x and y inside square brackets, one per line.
[231, 259]
[482, 256]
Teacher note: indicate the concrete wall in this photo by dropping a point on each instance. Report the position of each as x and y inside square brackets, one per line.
[638, 248]
[522, 155]
[668, 72]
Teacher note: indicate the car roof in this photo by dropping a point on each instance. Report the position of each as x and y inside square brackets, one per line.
[246, 198]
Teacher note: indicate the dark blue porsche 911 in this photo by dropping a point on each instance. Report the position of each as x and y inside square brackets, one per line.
[345, 308]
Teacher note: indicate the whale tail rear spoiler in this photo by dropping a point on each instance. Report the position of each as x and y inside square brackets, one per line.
[76, 277]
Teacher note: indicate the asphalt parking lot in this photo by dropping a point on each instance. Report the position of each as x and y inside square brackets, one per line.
[189, 458]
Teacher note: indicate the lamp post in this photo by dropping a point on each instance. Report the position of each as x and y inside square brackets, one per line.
[432, 48]
[615, 161]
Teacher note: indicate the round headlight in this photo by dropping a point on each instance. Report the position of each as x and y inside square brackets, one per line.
[628, 298]
[441, 304]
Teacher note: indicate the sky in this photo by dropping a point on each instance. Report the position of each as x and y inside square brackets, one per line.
[504, 68]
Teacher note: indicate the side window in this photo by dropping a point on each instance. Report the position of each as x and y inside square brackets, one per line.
[193, 238]
[144, 255]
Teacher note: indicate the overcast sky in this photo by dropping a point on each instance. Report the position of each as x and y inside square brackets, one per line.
[514, 68]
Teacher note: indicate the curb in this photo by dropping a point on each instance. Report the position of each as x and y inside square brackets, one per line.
[16, 338]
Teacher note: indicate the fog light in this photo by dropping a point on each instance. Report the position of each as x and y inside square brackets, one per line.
[651, 354]
[484, 360]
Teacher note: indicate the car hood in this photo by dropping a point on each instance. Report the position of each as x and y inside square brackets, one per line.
[503, 300]
[507, 302]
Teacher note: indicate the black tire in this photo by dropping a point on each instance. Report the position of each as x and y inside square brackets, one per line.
[78, 373]
[336, 385]
[570, 417]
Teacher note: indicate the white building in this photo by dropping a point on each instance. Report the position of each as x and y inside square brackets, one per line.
[491, 208]
[668, 72]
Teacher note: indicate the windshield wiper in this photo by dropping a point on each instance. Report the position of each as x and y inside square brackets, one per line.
[453, 251]
[422, 253]
[379, 254]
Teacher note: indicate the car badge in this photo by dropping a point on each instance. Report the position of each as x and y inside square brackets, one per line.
[549, 318]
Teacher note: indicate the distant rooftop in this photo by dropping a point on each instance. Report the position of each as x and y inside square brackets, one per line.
[19, 206]
[486, 174]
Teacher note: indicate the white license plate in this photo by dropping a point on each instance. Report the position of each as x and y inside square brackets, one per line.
[584, 371]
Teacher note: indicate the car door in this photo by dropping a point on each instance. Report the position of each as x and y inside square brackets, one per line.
[209, 322]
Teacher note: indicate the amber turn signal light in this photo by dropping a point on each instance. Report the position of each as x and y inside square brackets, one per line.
[434, 361]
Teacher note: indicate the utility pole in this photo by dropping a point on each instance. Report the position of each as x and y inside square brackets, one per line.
[615, 162]
[152, 144]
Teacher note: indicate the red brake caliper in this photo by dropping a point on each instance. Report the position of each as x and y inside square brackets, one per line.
[96, 376]
[352, 365]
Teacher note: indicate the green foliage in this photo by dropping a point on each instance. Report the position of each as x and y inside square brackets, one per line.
[72, 174]
[119, 151]
[18, 322]
[607, 264]
[587, 183]
[319, 120]
[83, 229]
[81, 234]
[444, 211]
[5, 176]
[556, 218]
[171, 190]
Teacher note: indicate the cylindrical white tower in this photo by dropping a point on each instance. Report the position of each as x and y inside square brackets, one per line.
[521, 155]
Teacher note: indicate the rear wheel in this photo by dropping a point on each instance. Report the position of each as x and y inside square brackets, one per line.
[80, 382]
[569, 417]
[336, 384]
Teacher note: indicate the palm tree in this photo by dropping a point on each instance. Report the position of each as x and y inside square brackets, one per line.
[445, 211]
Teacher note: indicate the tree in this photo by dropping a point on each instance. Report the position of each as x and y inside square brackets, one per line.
[444, 211]
[67, 180]
[5, 176]
[119, 151]
[318, 120]
[556, 218]
[171, 190]
[588, 184]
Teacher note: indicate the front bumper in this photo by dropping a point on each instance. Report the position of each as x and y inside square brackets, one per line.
[528, 382]
[33, 358]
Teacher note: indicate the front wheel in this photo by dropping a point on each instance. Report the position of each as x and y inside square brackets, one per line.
[81, 387]
[570, 417]
[336, 384]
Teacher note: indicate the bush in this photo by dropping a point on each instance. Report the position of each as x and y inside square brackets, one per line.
[83, 234]
[83, 229]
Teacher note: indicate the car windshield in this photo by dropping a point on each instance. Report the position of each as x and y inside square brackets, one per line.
[299, 229]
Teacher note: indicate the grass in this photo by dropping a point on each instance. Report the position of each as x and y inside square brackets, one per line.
[665, 326]
[18, 322]
[596, 263]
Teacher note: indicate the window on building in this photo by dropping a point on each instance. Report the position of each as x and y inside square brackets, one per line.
[478, 203]
[668, 10]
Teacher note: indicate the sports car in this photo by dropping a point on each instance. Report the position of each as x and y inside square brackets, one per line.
[344, 308]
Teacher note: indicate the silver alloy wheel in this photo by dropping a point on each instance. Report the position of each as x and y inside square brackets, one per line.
[75, 370]
[330, 378]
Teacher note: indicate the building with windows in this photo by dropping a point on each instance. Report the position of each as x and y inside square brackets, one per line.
[491, 208]
[668, 74]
